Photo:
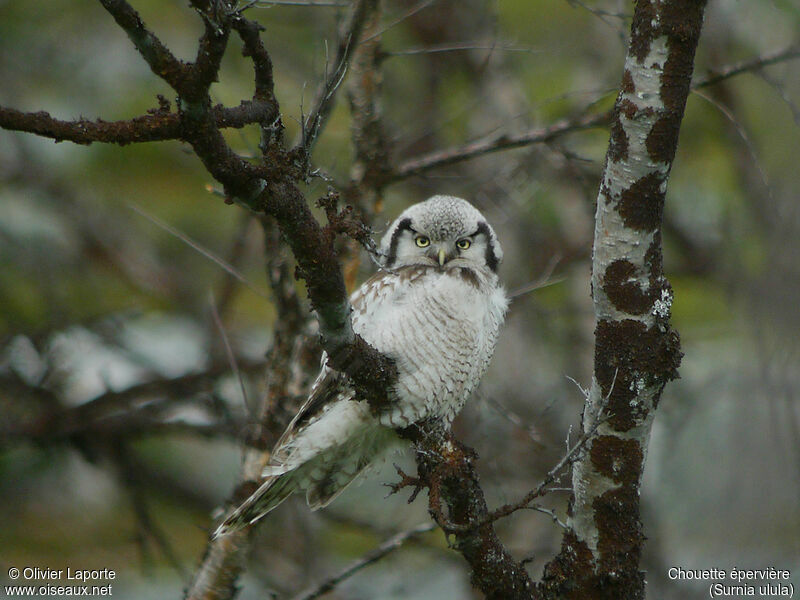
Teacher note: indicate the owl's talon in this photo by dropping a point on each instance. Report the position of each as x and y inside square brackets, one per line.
[405, 481]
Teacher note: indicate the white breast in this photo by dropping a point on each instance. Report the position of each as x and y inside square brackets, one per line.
[440, 327]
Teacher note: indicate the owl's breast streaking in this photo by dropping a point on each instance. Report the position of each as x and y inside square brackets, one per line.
[439, 326]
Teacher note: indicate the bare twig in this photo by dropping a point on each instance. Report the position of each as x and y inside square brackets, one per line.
[368, 559]
[548, 512]
[137, 410]
[219, 261]
[742, 133]
[129, 473]
[229, 354]
[753, 64]
[495, 143]
[323, 101]
[543, 280]
[572, 454]
[459, 47]
[406, 15]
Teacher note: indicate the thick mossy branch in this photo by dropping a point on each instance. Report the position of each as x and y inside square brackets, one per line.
[456, 502]
[158, 126]
[156, 55]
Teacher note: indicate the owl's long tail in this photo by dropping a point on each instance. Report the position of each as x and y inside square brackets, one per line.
[271, 493]
[323, 478]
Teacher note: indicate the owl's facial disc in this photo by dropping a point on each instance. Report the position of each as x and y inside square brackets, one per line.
[444, 232]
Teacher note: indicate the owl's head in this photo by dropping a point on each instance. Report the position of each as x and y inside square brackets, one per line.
[443, 231]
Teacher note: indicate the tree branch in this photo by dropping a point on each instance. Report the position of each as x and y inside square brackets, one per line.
[636, 350]
[371, 557]
[447, 469]
[114, 413]
[494, 143]
[155, 54]
[158, 126]
[323, 101]
[754, 64]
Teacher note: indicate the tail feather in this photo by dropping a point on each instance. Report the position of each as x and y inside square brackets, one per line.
[321, 467]
[267, 497]
[336, 478]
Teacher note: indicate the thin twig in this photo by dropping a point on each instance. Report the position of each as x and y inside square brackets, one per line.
[570, 457]
[406, 15]
[368, 559]
[543, 280]
[753, 64]
[462, 47]
[550, 513]
[496, 143]
[324, 100]
[226, 266]
[742, 133]
[128, 472]
[229, 354]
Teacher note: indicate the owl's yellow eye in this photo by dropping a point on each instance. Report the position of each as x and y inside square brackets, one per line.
[463, 244]
[422, 241]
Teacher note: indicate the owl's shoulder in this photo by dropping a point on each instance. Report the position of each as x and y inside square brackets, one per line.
[387, 283]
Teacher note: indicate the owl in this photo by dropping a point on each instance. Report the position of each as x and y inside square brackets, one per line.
[435, 308]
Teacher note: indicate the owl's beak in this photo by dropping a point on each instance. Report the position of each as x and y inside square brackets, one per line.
[442, 257]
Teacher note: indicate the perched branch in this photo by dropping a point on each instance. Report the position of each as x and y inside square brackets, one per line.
[447, 469]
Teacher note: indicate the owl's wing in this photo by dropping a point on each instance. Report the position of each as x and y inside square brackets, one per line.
[332, 385]
[329, 386]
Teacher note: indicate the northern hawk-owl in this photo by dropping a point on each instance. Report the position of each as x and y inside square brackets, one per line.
[435, 307]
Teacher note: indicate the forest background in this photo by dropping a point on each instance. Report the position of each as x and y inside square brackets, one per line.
[100, 291]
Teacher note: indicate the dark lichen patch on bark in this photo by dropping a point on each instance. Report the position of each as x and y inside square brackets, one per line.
[573, 575]
[628, 355]
[618, 145]
[653, 258]
[641, 206]
[619, 284]
[605, 191]
[628, 86]
[628, 108]
[682, 22]
[642, 30]
[620, 539]
[570, 573]
[662, 140]
[618, 459]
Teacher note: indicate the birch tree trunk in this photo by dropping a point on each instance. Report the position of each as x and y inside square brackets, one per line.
[636, 350]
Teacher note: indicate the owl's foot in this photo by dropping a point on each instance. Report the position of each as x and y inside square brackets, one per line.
[405, 481]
